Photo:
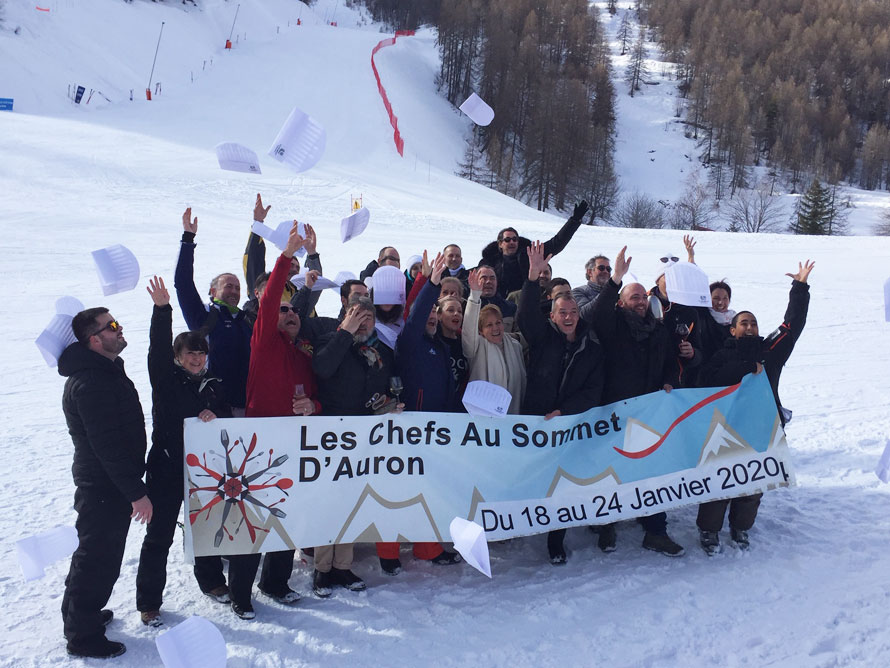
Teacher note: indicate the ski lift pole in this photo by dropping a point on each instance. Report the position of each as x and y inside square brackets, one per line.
[232, 31]
[151, 76]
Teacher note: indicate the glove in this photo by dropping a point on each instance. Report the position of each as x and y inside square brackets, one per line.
[580, 209]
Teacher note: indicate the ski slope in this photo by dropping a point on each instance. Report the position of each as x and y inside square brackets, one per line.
[813, 591]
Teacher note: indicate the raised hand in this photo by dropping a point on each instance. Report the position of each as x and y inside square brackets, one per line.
[354, 318]
[310, 240]
[157, 291]
[689, 242]
[188, 224]
[294, 241]
[259, 213]
[580, 209]
[311, 276]
[537, 263]
[438, 268]
[473, 281]
[620, 266]
[425, 267]
[803, 271]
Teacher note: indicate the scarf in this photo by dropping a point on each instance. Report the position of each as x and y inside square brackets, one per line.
[724, 318]
[232, 309]
[370, 353]
[640, 327]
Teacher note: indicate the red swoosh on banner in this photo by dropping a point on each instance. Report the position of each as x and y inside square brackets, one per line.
[701, 404]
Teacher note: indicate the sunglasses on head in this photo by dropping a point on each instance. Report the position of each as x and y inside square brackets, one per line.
[509, 240]
[285, 309]
[603, 267]
[670, 258]
[113, 325]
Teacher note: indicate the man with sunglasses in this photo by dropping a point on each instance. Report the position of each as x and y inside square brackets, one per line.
[598, 271]
[280, 383]
[508, 255]
[107, 426]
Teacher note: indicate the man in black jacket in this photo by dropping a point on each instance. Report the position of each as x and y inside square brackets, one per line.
[107, 426]
[640, 358]
[565, 366]
[744, 352]
[507, 256]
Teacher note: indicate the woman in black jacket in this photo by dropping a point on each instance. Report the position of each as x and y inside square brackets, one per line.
[180, 388]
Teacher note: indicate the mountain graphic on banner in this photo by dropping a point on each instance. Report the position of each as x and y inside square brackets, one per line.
[639, 437]
[475, 500]
[360, 526]
[565, 484]
[722, 441]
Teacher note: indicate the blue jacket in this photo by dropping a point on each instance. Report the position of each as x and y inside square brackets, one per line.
[228, 334]
[424, 362]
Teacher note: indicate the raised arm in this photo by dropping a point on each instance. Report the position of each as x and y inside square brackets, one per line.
[190, 301]
[562, 238]
[469, 336]
[160, 335]
[533, 323]
[255, 252]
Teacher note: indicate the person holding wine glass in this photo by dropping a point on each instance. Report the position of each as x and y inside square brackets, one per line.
[280, 369]
[354, 370]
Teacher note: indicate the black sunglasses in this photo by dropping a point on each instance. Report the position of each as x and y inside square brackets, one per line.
[603, 267]
[113, 325]
[285, 309]
[509, 240]
[671, 258]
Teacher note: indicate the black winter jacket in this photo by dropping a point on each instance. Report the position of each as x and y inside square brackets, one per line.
[347, 383]
[105, 421]
[511, 273]
[640, 354]
[739, 357]
[561, 375]
[175, 394]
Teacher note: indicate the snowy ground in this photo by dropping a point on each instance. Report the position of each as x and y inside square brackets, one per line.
[812, 592]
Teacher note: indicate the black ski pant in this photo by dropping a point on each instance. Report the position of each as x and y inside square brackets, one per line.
[277, 568]
[742, 513]
[165, 491]
[103, 519]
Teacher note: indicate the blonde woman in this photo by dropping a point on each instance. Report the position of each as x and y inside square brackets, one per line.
[492, 354]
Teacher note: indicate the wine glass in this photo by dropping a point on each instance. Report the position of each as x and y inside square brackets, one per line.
[299, 391]
[396, 387]
[682, 330]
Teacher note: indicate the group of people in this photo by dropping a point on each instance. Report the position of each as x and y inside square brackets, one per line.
[406, 339]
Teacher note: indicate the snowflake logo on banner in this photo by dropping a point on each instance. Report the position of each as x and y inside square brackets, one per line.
[234, 487]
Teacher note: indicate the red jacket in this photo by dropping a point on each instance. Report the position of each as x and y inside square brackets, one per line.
[276, 364]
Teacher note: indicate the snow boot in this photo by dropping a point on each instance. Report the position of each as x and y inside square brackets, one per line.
[662, 544]
[710, 542]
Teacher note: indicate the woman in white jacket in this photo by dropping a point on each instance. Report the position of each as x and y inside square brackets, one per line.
[492, 354]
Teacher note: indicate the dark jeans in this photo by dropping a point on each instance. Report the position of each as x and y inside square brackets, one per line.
[103, 519]
[165, 490]
[742, 513]
[655, 524]
[277, 568]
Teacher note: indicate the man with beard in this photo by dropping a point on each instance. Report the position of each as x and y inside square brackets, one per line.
[565, 365]
[107, 426]
[640, 358]
[744, 352]
[598, 271]
[227, 327]
[353, 368]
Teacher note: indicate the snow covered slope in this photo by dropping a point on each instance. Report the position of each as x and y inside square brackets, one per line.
[812, 592]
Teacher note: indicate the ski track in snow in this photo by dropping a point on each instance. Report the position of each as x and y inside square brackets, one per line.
[812, 592]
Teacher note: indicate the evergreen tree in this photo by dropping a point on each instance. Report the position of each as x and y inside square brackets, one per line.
[813, 211]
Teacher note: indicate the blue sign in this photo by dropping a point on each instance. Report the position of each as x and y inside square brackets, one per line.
[5, 104]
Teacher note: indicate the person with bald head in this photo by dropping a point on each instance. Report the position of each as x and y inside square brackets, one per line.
[640, 357]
